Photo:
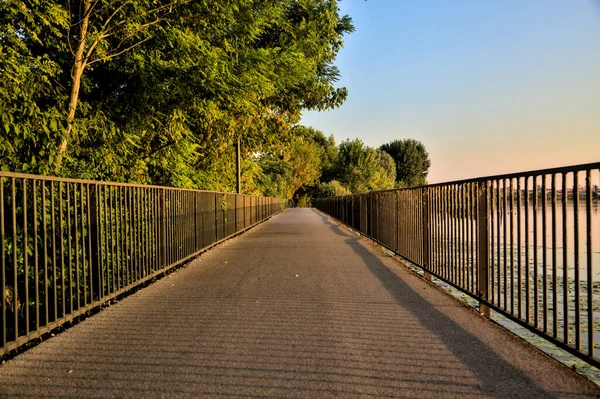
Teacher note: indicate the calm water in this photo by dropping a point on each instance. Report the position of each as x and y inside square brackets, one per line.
[549, 269]
[568, 229]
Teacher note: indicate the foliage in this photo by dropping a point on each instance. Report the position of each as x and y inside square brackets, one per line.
[362, 169]
[32, 48]
[332, 189]
[411, 159]
[158, 91]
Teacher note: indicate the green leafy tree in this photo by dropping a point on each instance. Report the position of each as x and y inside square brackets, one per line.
[158, 91]
[362, 169]
[32, 90]
[332, 189]
[411, 159]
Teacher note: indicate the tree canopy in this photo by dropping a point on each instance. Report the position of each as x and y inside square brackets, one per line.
[158, 91]
[411, 160]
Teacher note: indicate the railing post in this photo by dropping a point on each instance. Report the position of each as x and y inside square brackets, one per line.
[162, 242]
[483, 254]
[95, 261]
[426, 231]
[196, 246]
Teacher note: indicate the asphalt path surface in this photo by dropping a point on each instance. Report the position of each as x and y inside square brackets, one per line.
[296, 307]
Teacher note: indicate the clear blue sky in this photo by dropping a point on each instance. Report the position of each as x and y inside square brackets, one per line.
[489, 86]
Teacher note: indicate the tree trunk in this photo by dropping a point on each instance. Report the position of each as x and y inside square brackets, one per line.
[79, 65]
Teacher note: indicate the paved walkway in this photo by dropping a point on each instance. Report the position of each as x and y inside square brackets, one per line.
[297, 307]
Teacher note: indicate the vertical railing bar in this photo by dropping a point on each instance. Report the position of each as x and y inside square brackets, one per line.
[25, 256]
[468, 236]
[511, 243]
[168, 222]
[180, 224]
[3, 266]
[117, 237]
[554, 265]
[450, 216]
[53, 221]
[122, 240]
[134, 235]
[14, 252]
[588, 242]
[443, 235]
[45, 238]
[432, 228]
[492, 227]
[544, 255]
[99, 193]
[176, 230]
[461, 240]
[143, 227]
[464, 212]
[527, 274]
[90, 250]
[487, 185]
[70, 247]
[152, 230]
[448, 235]
[484, 192]
[188, 236]
[576, 260]
[133, 271]
[498, 244]
[565, 270]
[438, 251]
[62, 248]
[504, 241]
[470, 246]
[519, 260]
[36, 276]
[138, 238]
[535, 254]
[111, 237]
[455, 238]
[116, 241]
[83, 276]
[106, 268]
[76, 228]
[148, 230]
[129, 236]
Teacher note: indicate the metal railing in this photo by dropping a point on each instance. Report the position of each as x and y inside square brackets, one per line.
[72, 245]
[523, 244]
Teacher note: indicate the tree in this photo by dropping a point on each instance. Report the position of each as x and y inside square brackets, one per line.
[411, 159]
[362, 169]
[158, 90]
[31, 88]
[332, 189]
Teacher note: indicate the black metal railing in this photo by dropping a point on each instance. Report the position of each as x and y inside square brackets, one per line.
[71, 245]
[524, 244]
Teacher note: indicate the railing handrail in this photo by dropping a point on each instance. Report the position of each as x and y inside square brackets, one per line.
[548, 171]
[18, 175]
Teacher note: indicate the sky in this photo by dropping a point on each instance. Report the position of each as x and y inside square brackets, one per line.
[488, 86]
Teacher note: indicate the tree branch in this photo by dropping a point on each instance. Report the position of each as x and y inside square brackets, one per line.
[162, 147]
[119, 53]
